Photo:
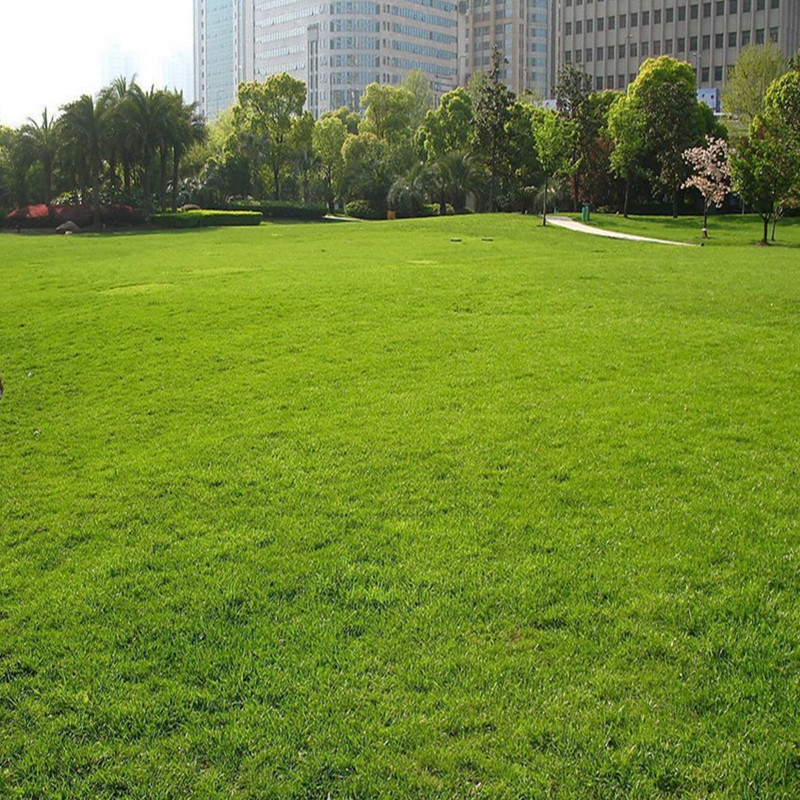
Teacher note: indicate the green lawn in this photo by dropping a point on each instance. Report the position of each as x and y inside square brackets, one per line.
[357, 510]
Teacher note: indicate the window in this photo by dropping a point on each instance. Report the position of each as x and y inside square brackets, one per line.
[693, 43]
[705, 74]
[668, 46]
[634, 19]
[695, 12]
[598, 83]
[717, 74]
[589, 54]
[623, 20]
[612, 23]
[610, 82]
[747, 5]
[657, 17]
[706, 9]
[578, 26]
[732, 39]
[634, 49]
[620, 51]
[760, 5]
[773, 35]
[707, 42]
[568, 29]
[645, 17]
[760, 36]
[720, 8]
[568, 56]
[670, 15]
[656, 48]
[732, 9]
[599, 55]
[589, 26]
[774, 4]
[601, 23]
[745, 38]
[681, 44]
[719, 40]
[682, 14]
[645, 49]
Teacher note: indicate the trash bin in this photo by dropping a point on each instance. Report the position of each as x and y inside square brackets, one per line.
[585, 215]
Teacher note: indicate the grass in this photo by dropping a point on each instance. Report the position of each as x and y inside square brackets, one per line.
[359, 510]
[723, 230]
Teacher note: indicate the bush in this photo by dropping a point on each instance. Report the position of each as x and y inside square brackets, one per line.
[120, 215]
[36, 216]
[362, 209]
[279, 209]
[81, 215]
[206, 219]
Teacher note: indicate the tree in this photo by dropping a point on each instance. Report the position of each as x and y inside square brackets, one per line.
[118, 141]
[419, 84]
[454, 176]
[350, 119]
[573, 90]
[83, 125]
[448, 127]
[492, 100]
[757, 66]
[387, 111]
[266, 113]
[554, 136]
[188, 129]
[665, 91]
[327, 140]
[43, 138]
[765, 171]
[711, 174]
[409, 193]
[368, 171]
[783, 102]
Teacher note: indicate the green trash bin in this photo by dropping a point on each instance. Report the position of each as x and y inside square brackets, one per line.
[585, 215]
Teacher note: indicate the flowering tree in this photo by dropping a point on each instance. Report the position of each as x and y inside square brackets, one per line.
[711, 174]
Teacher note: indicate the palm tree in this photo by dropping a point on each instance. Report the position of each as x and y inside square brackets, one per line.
[409, 192]
[188, 129]
[83, 123]
[146, 113]
[118, 144]
[456, 176]
[43, 139]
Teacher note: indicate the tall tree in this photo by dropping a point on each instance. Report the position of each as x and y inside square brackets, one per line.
[492, 102]
[43, 138]
[765, 171]
[419, 84]
[266, 112]
[757, 66]
[665, 90]
[327, 139]
[83, 125]
[387, 111]
[573, 90]
[554, 135]
[627, 127]
[447, 128]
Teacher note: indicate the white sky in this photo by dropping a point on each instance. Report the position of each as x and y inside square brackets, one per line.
[51, 52]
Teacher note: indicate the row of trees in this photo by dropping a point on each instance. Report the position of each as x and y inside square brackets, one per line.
[649, 145]
[117, 147]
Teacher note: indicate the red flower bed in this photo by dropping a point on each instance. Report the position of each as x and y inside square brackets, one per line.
[38, 216]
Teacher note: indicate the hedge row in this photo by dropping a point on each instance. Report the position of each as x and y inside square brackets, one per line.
[278, 209]
[206, 219]
[43, 216]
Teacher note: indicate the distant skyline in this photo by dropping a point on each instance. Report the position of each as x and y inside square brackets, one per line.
[52, 53]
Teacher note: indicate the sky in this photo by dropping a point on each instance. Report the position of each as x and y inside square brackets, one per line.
[51, 52]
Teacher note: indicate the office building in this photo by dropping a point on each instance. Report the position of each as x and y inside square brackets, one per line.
[521, 30]
[337, 47]
[611, 38]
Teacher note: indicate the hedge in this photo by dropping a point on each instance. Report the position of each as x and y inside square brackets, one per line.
[206, 219]
[279, 209]
[363, 209]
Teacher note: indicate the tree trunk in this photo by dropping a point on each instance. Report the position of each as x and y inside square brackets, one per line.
[163, 177]
[627, 194]
[544, 202]
[675, 203]
[765, 217]
[176, 162]
[147, 168]
[48, 181]
[705, 221]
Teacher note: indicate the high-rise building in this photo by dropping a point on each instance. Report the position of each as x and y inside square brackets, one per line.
[611, 38]
[521, 30]
[218, 53]
[337, 47]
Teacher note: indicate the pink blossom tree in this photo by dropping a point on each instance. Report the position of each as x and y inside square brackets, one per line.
[711, 174]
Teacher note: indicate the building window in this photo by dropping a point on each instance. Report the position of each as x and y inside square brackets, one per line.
[598, 83]
[760, 5]
[578, 26]
[568, 29]
[612, 21]
[732, 39]
[634, 19]
[657, 16]
[645, 17]
[668, 46]
[695, 11]
[600, 54]
[645, 49]
[717, 74]
[773, 35]
[760, 36]
[774, 3]
[682, 14]
[719, 40]
[669, 14]
[589, 26]
[656, 48]
[623, 21]
[693, 43]
[747, 5]
[705, 74]
[681, 44]
[610, 82]
[706, 9]
[634, 49]
[601, 23]
[745, 38]
[720, 8]
[732, 9]
[707, 42]
[620, 51]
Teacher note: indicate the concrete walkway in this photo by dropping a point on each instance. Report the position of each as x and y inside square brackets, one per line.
[580, 227]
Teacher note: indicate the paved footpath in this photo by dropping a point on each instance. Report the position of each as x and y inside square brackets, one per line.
[571, 224]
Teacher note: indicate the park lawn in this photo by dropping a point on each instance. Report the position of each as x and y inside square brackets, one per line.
[359, 510]
[724, 230]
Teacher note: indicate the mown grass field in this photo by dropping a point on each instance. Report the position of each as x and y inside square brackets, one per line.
[356, 510]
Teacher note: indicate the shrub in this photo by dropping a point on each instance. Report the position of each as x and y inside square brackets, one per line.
[362, 209]
[279, 209]
[120, 215]
[81, 215]
[206, 219]
[36, 216]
